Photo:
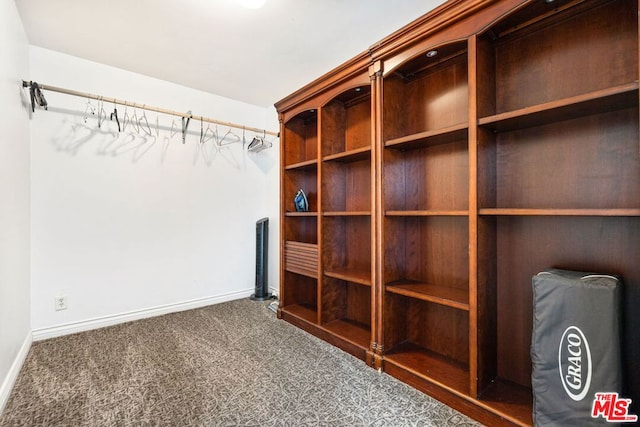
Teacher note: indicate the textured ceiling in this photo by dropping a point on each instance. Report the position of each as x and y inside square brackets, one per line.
[256, 56]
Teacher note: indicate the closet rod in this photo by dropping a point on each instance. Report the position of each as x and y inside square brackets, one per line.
[147, 107]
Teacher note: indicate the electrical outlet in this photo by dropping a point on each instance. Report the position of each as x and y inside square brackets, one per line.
[61, 303]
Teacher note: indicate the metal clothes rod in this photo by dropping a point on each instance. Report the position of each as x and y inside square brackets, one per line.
[147, 107]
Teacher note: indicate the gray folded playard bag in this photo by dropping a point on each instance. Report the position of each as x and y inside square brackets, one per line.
[576, 346]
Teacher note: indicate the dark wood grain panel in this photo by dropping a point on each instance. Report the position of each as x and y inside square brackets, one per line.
[590, 162]
[430, 250]
[528, 245]
[305, 179]
[358, 124]
[333, 117]
[394, 115]
[347, 302]
[334, 300]
[430, 178]
[568, 57]
[432, 98]
[301, 295]
[301, 139]
[346, 122]
[347, 243]
[301, 229]
[347, 186]
[433, 327]
[359, 304]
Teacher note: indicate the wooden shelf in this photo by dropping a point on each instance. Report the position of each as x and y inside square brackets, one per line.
[430, 138]
[559, 212]
[351, 331]
[354, 276]
[431, 366]
[309, 164]
[442, 295]
[615, 98]
[301, 214]
[303, 311]
[347, 213]
[350, 155]
[428, 213]
[512, 401]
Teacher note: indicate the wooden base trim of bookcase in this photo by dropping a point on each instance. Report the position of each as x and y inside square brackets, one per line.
[460, 402]
[323, 334]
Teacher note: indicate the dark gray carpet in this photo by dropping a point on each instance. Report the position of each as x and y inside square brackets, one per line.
[232, 364]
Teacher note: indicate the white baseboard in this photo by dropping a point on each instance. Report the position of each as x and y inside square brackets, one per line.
[101, 322]
[12, 375]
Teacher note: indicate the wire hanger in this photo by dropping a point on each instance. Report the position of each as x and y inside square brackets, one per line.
[146, 130]
[126, 117]
[135, 121]
[258, 143]
[174, 129]
[157, 127]
[229, 132]
[89, 108]
[102, 115]
[208, 134]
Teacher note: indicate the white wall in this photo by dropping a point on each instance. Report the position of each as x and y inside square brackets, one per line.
[121, 223]
[15, 330]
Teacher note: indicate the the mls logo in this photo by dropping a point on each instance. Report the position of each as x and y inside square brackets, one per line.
[612, 408]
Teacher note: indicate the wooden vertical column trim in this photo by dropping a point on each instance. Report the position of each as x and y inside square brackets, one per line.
[283, 296]
[319, 221]
[373, 345]
[473, 214]
[377, 242]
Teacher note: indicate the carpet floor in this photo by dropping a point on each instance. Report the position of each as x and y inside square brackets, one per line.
[231, 364]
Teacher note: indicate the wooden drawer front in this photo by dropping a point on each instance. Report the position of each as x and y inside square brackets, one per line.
[301, 258]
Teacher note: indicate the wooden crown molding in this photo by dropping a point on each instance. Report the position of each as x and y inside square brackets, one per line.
[445, 15]
[441, 17]
[358, 64]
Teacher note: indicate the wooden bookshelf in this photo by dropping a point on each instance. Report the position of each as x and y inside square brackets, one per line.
[448, 164]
